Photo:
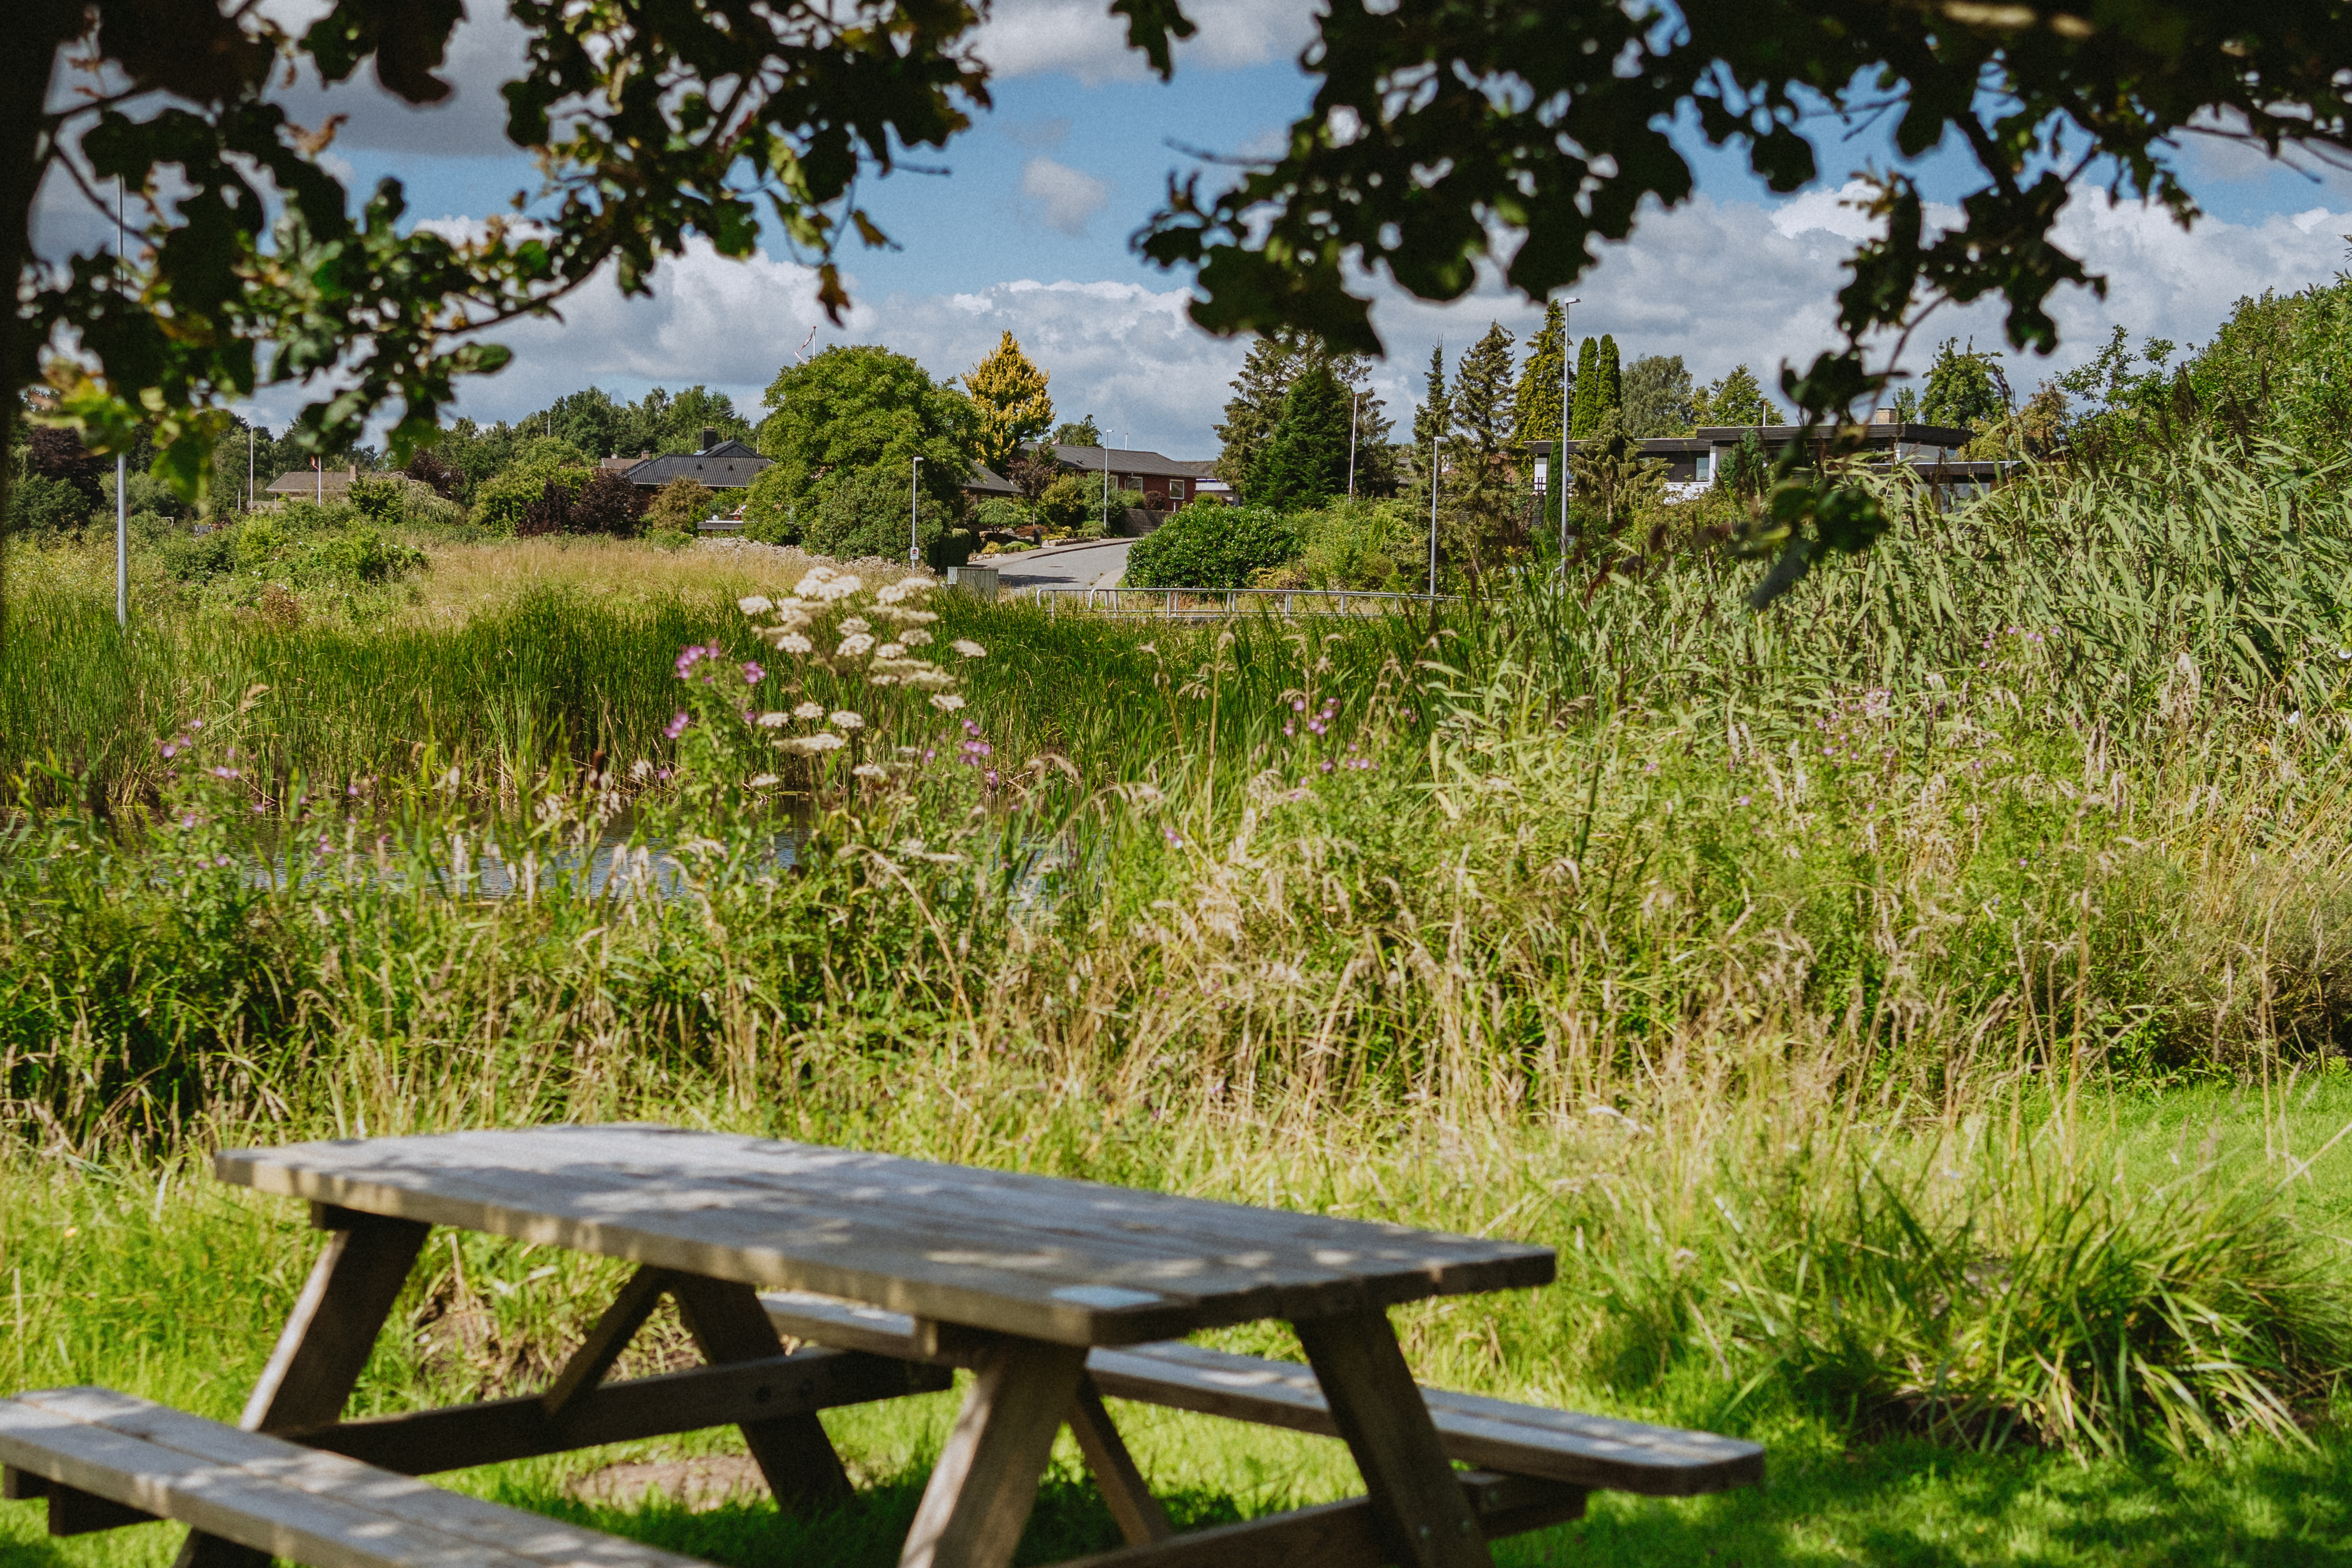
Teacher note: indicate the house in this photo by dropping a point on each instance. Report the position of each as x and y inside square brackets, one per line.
[312, 484]
[719, 466]
[1694, 459]
[1167, 483]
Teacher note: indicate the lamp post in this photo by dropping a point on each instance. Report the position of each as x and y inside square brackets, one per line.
[1433, 448]
[1106, 487]
[121, 461]
[1559, 451]
[914, 514]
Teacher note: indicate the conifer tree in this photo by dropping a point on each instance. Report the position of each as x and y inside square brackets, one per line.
[1306, 462]
[1376, 465]
[1254, 408]
[1434, 416]
[1483, 401]
[1539, 401]
[1613, 379]
[1009, 400]
[1582, 413]
[1736, 398]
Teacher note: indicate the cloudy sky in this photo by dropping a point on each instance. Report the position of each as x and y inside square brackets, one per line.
[1026, 224]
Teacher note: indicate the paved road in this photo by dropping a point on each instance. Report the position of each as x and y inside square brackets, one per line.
[1067, 566]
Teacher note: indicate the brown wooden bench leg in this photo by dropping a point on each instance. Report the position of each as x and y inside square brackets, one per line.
[325, 1344]
[985, 1484]
[1140, 1517]
[792, 1452]
[1378, 1408]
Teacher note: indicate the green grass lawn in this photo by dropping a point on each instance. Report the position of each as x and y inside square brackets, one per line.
[163, 1283]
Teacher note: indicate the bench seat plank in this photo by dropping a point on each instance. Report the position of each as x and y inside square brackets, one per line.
[294, 1503]
[1518, 1439]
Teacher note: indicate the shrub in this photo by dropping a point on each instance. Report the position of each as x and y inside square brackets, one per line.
[608, 504]
[1002, 514]
[1213, 547]
[865, 513]
[1068, 502]
[380, 500]
[197, 558]
[1372, 545]
[45, 508]
[681, 506]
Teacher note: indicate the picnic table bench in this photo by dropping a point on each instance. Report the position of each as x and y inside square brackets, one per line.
[894, 1273]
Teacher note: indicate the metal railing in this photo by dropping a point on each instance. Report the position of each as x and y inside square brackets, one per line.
[1193, 604]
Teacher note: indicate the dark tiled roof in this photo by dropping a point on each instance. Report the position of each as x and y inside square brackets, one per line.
[1123, 460]
[729, 466]
[982, 481]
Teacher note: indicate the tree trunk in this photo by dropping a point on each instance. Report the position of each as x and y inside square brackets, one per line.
[40, 29]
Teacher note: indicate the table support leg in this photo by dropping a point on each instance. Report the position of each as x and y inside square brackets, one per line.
[986, 1481]
[1140, 1517]
[1378, 1409]
[728, 1325]
[324, 1346]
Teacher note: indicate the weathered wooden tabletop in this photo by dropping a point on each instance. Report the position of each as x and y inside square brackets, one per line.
[1068, 1262]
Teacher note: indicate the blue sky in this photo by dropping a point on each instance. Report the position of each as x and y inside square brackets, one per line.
[1028, 230]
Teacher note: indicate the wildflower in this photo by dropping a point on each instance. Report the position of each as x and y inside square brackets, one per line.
[914, 637]
[773, 720]
[947, 701]
[841, 588]
[1298, 706]
[792, 642]
[810, 745]
[222, 772]
[1743, 800]
[809, 711]
[968, 647]
[812, 586]
[763, 780]
[170, 750]
[640, 768]
[691, 656]
[857, 624]
[991, 777]
[843, 719]
[678, 722]
[195, 724]
[1173, 841]
[870, 770]
[753, 674]
[854, 645]
[754, 604]
[891, 651]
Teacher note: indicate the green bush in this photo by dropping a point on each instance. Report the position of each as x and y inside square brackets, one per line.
[45, 508]
[378, 499]
[199, 557]
[866, 514]
[1003, 515]
[1068, 504]
[1367, 544]
[1213, 547]
[681, 506]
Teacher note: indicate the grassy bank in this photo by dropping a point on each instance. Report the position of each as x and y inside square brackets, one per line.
[1915, 1015]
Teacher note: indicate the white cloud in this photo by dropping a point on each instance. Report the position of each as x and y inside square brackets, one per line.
[1720, 283]
[1061, 197]
[1034, 37]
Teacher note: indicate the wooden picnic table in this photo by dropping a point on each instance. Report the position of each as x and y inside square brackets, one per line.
[1014, 1277]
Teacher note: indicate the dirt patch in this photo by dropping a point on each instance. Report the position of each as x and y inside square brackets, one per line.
[694, 1484]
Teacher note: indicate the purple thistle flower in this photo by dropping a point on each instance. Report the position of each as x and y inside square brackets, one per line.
[677, 725]
[753, 674]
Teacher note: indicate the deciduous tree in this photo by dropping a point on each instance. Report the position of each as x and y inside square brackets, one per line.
[1658, 396]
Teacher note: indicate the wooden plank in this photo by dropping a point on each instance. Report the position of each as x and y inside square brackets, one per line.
[615, 1328]
[424, 1442]
[1377, 1407]
[1126, 1493]
[985, 1483]
[1594, 1451]
[727, 1326]
[327, 1340]
[1345, 1534]
[1074, 1262]
[265, 1495]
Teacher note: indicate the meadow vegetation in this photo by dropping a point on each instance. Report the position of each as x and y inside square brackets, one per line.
[1915, 1014]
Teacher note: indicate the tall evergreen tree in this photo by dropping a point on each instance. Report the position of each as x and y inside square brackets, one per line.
[1376, 468]
[1306, 462]
[1583, 413]
[1538, 404]
[1010, 403]
[1613, 379]
[1433, 416]
[1483, 400]
[1737, 398]
[1254, 408]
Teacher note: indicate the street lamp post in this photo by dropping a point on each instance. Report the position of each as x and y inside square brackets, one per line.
[1559, 450]
[914, 514]
[1434, 441]
[122, 460]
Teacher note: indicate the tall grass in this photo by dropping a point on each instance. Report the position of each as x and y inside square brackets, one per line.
[1701, 944]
